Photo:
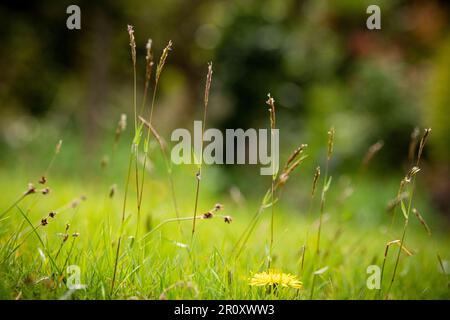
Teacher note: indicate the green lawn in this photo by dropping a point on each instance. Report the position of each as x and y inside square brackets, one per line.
[169, 263]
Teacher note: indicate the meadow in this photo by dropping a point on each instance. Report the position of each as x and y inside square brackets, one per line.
[137, 227]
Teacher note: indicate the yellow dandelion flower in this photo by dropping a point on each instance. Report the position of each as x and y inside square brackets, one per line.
[275, 278]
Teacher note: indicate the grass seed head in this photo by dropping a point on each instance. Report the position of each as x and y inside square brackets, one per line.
[112, 190]
[373, 150]
[58, 147]
[423, 141]
[227, 219]
[162, 60]
[31, 189]
[208, 83]
[217, 207]
[130, 30]
[331, 133]
[413, 143]
[422, 221]
[271, 102]
[315, 180]
[148, 59]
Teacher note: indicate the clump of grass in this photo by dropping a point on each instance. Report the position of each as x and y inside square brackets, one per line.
[269, 199]
[410, 178]
[134, 150]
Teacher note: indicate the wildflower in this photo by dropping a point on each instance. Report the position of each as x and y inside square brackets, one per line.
[52, 214]
[275, 278]
[44, 222]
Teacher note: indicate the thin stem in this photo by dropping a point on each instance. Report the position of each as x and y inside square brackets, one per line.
[122, 222]
[403, 237]
[271, 222]
[199, 172]
[322, 205]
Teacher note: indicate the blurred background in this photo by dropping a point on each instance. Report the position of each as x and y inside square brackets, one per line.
[317, 59]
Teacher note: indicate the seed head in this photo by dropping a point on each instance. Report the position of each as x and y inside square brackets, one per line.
[218, 207]
[422, 144]
[58, 147]
[208, 83]
[227, 219]
[330, 142]
[112, 190]
[132, 43]
[315, 179]
[207, 215]
[162, 60]
[412, 172]
[31, 189]
[271, 102]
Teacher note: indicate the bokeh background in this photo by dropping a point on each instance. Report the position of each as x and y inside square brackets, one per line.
[316, 58]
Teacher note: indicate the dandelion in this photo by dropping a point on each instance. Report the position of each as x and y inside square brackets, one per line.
[273, 278]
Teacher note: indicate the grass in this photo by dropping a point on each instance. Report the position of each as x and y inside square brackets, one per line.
[146, 250]
[163, 261]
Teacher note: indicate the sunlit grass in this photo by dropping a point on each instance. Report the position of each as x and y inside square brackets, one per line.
[206, 270]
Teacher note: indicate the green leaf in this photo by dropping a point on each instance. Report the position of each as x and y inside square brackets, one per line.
[146, 143]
